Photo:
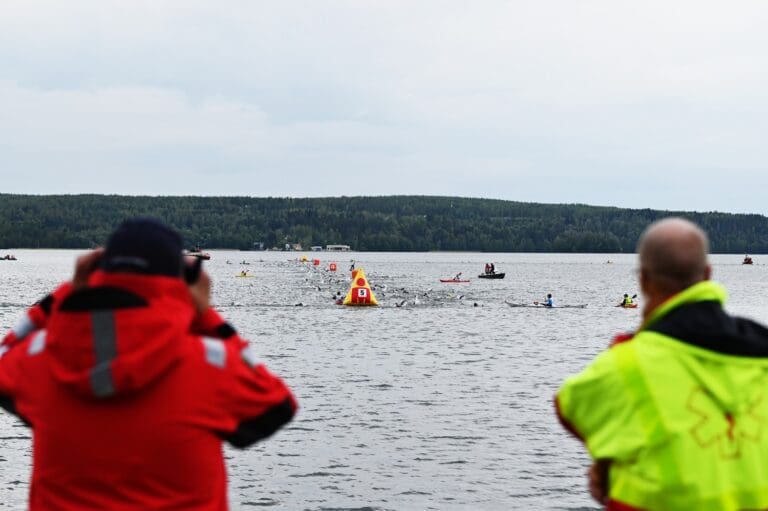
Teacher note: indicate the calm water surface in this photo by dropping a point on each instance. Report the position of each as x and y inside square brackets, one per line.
[444, 402]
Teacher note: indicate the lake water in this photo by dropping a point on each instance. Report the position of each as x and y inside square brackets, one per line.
[442, 403]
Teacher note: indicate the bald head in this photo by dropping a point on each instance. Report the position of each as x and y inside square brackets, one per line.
[673, 254]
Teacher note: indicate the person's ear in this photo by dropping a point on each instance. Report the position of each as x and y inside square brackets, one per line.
[708, 272]
[644, 281]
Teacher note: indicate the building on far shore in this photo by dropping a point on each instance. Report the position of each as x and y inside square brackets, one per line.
[338, 248]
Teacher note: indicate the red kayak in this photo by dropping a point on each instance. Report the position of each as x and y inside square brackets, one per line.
[453, 281]
[632, 306]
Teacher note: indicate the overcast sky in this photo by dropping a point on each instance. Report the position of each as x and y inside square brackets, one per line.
[635, 104]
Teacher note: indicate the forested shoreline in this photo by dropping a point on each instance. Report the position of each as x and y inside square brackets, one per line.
[393, 223]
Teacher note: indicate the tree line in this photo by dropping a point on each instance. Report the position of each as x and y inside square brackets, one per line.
[393, 223]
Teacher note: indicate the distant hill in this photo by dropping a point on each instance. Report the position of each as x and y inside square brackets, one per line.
[395, 223]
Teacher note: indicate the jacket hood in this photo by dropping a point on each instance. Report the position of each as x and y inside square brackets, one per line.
[119, 334]
[697, 319]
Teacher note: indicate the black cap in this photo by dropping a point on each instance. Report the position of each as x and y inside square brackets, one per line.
[144, 245]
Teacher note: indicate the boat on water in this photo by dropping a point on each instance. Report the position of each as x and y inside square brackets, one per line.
[747, 260]
[454, 281]
[491, 276]
[541, 306]
[628, 306]
[196, 252]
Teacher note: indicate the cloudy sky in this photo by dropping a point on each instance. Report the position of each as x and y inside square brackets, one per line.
[635, 104]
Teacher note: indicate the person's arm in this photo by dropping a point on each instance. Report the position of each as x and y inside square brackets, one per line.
[33, 319]
[208, 321]
[596, 407]
[598, 480]
[259, 403]
[12, 374]
[252, 402]
[36, 317]
[244, 401]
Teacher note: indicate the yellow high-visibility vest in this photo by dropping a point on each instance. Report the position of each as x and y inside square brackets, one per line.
[686, 427]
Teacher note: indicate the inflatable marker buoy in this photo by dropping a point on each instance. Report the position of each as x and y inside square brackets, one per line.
[360, 291]
[315, 262]
[332, 267]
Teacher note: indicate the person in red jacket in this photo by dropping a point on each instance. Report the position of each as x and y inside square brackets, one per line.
[130, 382]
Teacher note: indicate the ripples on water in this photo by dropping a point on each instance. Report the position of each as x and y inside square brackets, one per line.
[444, 403]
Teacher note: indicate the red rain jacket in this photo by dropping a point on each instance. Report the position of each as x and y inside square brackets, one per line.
[129, 396]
